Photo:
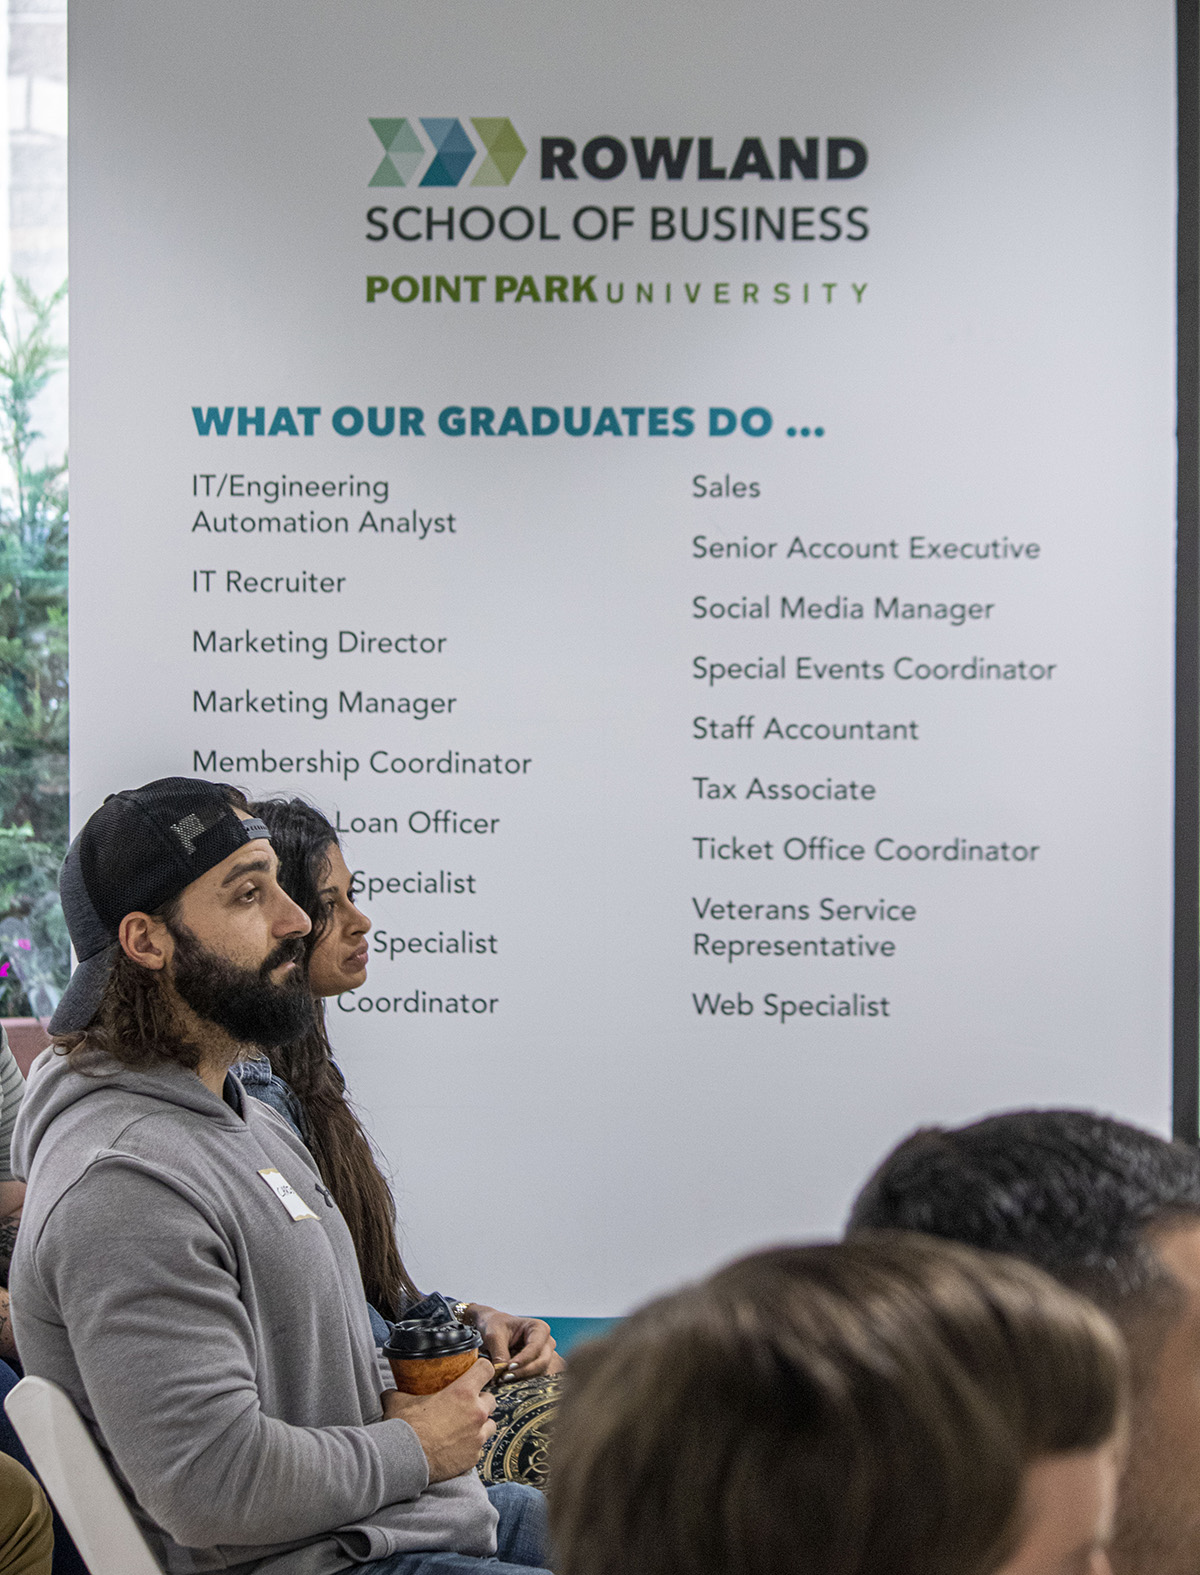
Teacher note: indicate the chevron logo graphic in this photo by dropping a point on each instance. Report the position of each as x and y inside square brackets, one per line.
[505, 151]
[402, 152]
[453, 151]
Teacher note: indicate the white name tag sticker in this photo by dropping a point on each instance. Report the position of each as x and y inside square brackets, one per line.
[287, 1195]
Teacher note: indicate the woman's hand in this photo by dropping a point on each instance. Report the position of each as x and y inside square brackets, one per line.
[520, 1347]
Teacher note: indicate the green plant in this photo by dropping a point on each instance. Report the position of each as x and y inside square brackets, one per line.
[33, 650]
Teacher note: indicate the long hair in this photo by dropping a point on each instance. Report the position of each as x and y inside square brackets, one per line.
[135, 1023]
[302, 838]
[869, 1407]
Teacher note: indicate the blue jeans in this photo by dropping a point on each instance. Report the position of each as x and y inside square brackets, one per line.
[520, 1539]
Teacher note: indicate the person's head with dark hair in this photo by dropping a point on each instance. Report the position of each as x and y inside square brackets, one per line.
[313, 873]
[1111, 1211]
[892, 1405]
[188, 946]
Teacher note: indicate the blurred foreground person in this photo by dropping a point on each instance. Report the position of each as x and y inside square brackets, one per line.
[1113, 1212]
[887, 1406]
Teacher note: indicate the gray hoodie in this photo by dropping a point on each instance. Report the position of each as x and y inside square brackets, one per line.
[218, 1348]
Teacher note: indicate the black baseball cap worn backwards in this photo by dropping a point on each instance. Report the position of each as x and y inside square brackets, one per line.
[141, 848]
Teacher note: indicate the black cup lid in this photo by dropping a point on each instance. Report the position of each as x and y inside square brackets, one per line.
[417, 1337]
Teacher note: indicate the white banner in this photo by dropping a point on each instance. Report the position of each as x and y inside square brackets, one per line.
[691, 492]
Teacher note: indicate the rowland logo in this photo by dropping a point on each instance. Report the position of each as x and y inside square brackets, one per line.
[452, 149]
[443, 151]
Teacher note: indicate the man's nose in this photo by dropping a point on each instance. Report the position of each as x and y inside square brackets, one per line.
[291, 918]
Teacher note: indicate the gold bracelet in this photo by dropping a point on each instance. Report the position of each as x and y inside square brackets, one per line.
[460, 1310]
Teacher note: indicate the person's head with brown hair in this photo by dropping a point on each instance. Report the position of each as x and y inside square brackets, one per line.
[313, 873]
[891, 1405]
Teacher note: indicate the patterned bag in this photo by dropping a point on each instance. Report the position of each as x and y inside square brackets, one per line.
[519, 1449]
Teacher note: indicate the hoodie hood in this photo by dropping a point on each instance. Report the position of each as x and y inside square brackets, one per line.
[57, 1084]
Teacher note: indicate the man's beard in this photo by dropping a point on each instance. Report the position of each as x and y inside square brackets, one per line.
[244, 1001]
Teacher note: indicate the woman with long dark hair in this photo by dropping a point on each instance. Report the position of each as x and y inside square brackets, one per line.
[303, 1082]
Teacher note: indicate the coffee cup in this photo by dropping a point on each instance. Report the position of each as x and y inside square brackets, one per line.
[425, 1356]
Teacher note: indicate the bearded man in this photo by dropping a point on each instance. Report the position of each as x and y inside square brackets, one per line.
[180, 1270]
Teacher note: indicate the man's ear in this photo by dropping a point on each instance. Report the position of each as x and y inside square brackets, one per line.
[145, 940]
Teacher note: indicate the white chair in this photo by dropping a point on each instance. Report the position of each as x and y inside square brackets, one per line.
[75, 1475]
